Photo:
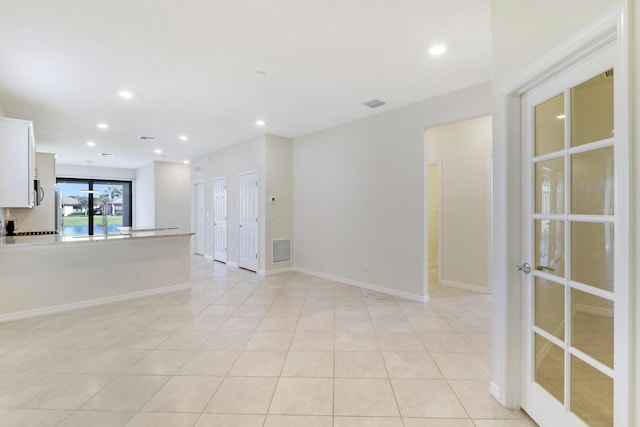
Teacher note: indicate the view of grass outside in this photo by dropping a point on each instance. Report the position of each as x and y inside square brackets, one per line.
[76, 210]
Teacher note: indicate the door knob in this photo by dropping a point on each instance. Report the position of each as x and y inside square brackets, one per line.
[525, 268]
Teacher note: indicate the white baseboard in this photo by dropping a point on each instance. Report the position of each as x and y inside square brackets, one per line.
[372, 287]
[475, 288]
[90, 303]
[280, 270]
[494, 390]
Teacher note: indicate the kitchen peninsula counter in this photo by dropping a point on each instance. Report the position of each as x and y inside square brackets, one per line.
[52, 273]
[125, 233]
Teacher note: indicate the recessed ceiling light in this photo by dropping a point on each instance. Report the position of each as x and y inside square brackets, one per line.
[438, 49]
[561, 116]
[157, 151]
[260, 122]
[91, 143]
[103, 126]
[183, 137]
[125, 94]
[186, 162]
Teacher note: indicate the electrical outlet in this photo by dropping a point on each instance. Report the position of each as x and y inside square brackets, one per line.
[136, 275]
[392, 272]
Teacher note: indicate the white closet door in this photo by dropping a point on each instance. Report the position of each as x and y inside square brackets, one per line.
[248, 221]
[220, 219]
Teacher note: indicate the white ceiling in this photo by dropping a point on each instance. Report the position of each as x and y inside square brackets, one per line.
[190, 64]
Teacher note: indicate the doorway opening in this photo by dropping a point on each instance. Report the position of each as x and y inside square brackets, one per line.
[458, 208]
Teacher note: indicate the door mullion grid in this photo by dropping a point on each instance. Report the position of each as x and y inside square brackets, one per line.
[591, 361]
[588, 289]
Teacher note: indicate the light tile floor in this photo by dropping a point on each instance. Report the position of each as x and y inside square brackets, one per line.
[238, 349]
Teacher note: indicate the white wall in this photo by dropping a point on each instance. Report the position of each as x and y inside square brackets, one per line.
[247, 156]
[172, 195]
[145, 197]
[163, 196]
[94, 172]
[526, 30]
[635, 128]
[278, 184]
[359, 194]
[463, 149]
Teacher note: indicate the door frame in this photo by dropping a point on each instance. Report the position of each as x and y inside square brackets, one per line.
[507, 213]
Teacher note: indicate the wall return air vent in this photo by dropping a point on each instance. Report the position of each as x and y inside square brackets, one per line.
[281, 250]
[374, 103]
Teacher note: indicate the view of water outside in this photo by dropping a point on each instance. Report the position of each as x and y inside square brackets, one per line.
[75, 208]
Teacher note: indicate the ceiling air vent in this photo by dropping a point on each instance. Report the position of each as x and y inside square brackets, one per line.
[374, 103]
[105, 154]
[146, 138]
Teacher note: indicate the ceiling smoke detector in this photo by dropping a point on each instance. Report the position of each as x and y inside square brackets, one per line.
[146, 138]
[374, 103]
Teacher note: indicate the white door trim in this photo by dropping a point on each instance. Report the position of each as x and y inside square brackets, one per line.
[506, 233]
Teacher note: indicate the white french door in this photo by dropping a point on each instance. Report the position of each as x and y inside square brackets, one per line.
[575, 354]
[248, 221]
[220, 219]
[199, 210]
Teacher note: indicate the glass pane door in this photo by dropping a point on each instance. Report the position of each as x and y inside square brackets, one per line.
[108, 207]
[571, 221]
[90, 205]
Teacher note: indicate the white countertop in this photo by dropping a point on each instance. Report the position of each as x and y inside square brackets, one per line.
[126, 233]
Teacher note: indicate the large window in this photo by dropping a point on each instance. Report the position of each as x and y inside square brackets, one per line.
[90, 204]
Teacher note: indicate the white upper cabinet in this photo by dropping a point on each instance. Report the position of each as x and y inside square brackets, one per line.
[17, 163]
